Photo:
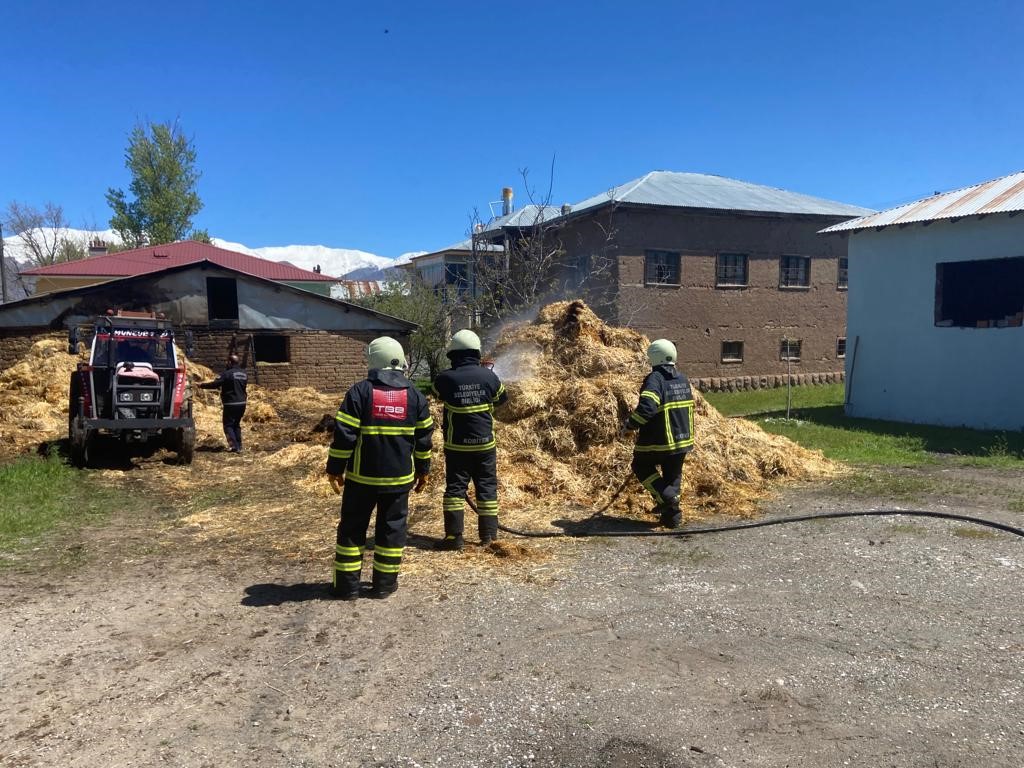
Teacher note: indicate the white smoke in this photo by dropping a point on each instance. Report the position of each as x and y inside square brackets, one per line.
[517, 362]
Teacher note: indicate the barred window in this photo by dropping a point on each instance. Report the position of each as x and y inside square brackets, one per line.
[794, 272]
[842, 280]
[732, 269]
[841, 347]
[789, 349]
[732, 351]
[661, 268]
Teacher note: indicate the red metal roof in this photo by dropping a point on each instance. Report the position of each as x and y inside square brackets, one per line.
[157, 257]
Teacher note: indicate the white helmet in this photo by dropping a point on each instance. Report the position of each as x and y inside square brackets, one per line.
[385, 352]
[662, 352]
[464, 341]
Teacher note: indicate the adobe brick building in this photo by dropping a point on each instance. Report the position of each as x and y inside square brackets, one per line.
[286, 336]
[735, 273]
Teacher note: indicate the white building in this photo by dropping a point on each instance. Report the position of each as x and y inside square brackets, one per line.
[935, 323]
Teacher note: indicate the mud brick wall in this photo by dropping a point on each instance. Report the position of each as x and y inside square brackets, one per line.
[16, 342]
[327, 361]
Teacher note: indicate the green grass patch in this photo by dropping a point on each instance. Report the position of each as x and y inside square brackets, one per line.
[966, 532]
[759, 401]
[39, 494]
[1017, 505]
[818, 421]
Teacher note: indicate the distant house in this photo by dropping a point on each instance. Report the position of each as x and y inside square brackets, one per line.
[288, 336]
[110, 266]
[936, 309]
[735, 273]
[452, 272]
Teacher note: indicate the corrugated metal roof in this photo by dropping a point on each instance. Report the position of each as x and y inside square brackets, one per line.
[155, 258]
[462, 245]
[699, 190]
[527, 216]
[1002, 195]
[349, 290]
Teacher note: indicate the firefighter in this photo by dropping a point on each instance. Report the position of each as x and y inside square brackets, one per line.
[381, 448]
[664, 417]
[232, 384]
[469, 391]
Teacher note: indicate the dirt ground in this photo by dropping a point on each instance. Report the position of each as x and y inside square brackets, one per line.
[874, 642]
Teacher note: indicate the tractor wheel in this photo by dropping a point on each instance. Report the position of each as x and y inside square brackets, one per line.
[83, 446]
[186, 444]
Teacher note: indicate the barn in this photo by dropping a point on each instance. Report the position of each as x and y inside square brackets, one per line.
[287, 336]
[936, 309]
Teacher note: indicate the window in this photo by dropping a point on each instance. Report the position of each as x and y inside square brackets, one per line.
[459, 275]
[732, 351]
[579, 270]
[432, 274]
[794, 272]
[841, 347]
[789, 349]
[221, 298]
[732, 269]
[270, 349]
[661, 268]
[842, 280]
[988, 293]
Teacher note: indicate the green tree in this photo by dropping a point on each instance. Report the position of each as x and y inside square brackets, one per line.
[201, 236]
[431, 310]
[162, 164]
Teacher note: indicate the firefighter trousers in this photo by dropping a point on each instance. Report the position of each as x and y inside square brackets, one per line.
[357, 504]
[662, 475]
[480, 467]
[232, 420]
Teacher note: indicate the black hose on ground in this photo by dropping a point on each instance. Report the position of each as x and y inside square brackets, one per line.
[773, 521]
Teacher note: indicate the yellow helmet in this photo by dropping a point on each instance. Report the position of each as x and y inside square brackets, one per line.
[463, 341]
[385, 352]
[662, 352]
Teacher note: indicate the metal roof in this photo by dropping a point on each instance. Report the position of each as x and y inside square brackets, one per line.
[700, 190]
[1002, 195]
[141, 261]
[527, 216]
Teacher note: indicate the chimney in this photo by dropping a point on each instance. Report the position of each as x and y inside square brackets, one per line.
[97, 247]
[566, 208]
[506, 201]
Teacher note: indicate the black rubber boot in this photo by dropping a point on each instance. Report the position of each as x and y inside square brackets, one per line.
[671, 517]
[450, 543]
[487, 527]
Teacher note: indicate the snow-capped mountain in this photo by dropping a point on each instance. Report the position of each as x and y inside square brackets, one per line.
[337, 262]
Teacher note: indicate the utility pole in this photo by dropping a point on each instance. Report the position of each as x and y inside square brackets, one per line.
[3, 268]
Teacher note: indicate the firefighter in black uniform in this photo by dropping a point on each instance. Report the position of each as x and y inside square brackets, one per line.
[232, 384]
[469, 391]
[664, 417]
[381, 448]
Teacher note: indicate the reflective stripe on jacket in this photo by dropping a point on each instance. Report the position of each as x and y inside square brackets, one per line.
[382, 433]
[469, 391]
[664, 414]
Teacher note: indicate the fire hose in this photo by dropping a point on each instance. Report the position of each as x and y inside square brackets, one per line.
[757, 523]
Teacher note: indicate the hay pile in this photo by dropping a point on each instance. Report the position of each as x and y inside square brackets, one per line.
[572, 380]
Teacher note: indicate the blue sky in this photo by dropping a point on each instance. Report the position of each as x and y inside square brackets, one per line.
[381, 125]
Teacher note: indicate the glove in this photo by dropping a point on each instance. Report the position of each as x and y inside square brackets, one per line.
[421, 483]
[336, 481]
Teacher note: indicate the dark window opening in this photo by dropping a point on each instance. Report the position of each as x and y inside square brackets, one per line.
[732, 351]
[579, 270]
[661, 268]
[841, 347]
[980, 294]
[731, 269]
[458, 276]
[270, 349]
[222, 298]
[843, 278]
[789, 349]
[794, 272]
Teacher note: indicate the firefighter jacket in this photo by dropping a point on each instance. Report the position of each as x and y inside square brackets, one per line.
[382, 433]
[469, 391]
[232, 384]
[664, 414]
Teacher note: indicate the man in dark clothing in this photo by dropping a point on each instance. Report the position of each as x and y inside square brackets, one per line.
[232, 384]
[469, 391]
[381, 447]
[664, 417]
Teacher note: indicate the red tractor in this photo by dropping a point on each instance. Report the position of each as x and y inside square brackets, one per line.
[133, 388]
